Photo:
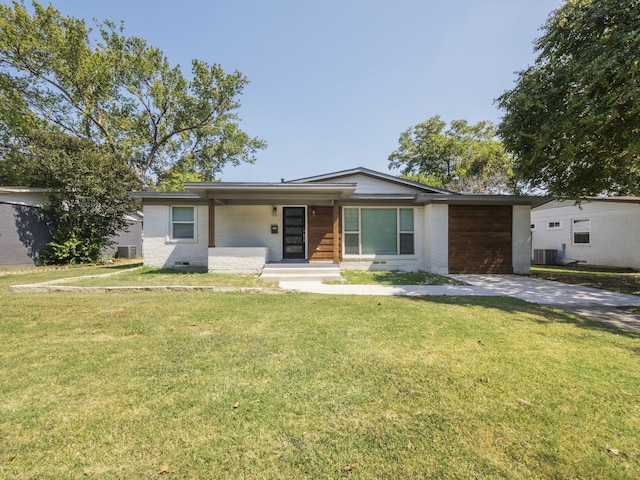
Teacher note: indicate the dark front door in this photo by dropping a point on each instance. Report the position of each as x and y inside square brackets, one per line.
[293, 226]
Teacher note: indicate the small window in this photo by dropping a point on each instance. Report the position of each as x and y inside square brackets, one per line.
[582, 231]
[406, 231]
[554, 226]
[183, 223]
[351, 231]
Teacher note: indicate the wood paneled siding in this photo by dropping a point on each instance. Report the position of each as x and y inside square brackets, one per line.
[320, 234]
[480, 239]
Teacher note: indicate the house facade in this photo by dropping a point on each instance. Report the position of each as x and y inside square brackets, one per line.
[24, 235]
[358, 218]
[599, 231]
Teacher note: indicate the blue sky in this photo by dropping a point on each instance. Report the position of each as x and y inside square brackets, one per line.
[333, 83]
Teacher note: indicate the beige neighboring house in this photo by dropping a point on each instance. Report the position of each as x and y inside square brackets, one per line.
[357, 218]
[23, 234]
[600, 231]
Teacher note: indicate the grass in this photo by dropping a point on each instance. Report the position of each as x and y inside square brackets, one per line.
[147, 276]
[617, 280]
[210, 385]
[372, 277]
[45, 274]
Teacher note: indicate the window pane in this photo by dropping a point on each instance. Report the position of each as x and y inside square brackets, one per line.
[351, 220]
[183, 230]
[406, 220]
[351, 246]
[581, 225]
[406, 244]
[182, 214]
[379, 231]
[581, 238]
[581, 231]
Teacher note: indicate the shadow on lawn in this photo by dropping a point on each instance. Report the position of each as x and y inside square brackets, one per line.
[398, 277]
[123, 265]
[541, 314]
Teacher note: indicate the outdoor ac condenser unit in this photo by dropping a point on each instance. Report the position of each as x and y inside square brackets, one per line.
[544, 257]
[126, 251]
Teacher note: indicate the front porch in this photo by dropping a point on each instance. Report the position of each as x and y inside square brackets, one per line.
[249, 260]
[242, 238]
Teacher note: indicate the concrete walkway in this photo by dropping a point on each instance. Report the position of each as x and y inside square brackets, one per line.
[589, 302]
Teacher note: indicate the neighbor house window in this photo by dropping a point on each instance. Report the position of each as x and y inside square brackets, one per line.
[554, 226]
[378, 231]
[183, 222]
[582, 231]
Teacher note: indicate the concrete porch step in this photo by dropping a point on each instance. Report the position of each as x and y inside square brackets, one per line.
[300, 272]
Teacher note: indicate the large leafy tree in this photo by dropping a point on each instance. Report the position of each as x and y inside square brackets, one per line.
[573, 118]
[462, 157]
[118, 92]
[88, 193]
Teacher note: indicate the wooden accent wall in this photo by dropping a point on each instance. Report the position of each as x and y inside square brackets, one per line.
[321, 240]
[480, 239]
[337, 244]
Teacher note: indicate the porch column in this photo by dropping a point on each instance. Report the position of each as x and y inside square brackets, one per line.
[212, 223]
[336, 232]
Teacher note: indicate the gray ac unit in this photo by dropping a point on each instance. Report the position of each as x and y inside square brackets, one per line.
[126, 251]
[545, 257]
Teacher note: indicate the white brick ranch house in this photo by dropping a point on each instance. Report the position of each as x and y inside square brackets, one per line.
[358, 218]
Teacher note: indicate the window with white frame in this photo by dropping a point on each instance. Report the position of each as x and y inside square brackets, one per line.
[378, 231]
[582, 231]
[555, 225]
[183, 223]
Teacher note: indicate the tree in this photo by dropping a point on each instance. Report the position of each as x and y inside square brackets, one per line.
[89, 193]
[573, 119]
[466, 158]
[118, 92]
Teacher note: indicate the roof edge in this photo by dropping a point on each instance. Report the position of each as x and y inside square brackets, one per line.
[374, 174]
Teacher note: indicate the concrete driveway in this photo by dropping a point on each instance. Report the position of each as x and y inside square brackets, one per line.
[547, 292]
[530, 289]
[597, 304]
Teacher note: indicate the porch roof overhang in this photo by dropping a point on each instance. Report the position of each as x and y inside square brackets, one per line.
[228, 193]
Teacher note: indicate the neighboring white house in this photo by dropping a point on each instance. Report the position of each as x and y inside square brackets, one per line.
[357, 218]
[599, 231]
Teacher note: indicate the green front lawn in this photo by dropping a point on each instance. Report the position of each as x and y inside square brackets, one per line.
[211, 385]
[146, 276]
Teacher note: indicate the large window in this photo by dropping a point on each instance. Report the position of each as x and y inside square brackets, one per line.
[582, 231]
[378, 231]
[183, 223]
